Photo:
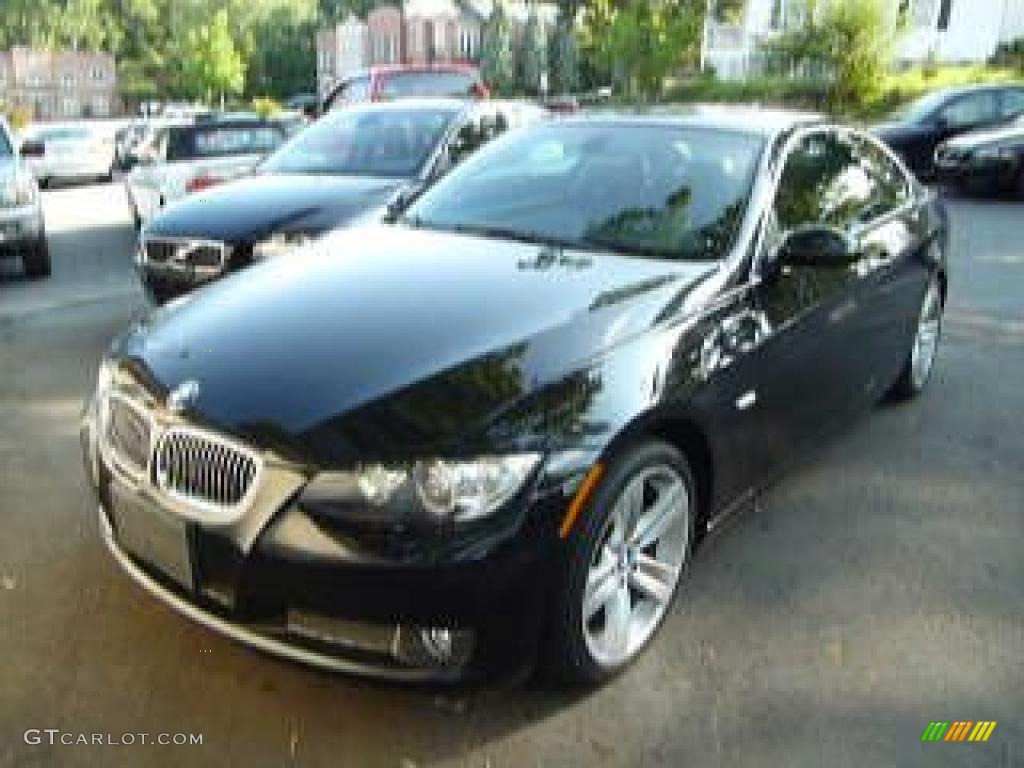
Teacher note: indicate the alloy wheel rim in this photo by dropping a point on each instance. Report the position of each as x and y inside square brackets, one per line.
[926, 341]
[633, 574]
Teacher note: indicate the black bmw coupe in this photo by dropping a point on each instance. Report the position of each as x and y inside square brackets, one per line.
[495, 432]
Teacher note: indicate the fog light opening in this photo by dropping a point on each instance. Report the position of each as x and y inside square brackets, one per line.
[434, 646]
[437, 642]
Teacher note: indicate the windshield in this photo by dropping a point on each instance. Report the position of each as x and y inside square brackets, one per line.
[669, 192]
[61, 134]
[365, 142]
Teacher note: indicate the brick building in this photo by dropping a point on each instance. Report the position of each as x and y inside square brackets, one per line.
[59, 84]
[423, 32]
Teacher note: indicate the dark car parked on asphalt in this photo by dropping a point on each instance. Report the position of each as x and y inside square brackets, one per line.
[990, 161]
[348, 165]
[915, 132]
[495, 431]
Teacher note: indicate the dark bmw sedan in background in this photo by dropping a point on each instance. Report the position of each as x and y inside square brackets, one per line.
[915, 132]
[989, 162]
[350, 164]
[496, 431]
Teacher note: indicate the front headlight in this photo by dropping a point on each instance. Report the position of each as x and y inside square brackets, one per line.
[25, 190]
[18, 191]
[278, 244]
[436, 490]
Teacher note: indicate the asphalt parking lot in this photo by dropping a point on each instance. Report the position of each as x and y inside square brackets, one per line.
[879, 587]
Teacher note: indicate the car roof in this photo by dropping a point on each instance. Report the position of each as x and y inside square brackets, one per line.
[751, 120]
[395, 69]
[960, 90]
[397, 105]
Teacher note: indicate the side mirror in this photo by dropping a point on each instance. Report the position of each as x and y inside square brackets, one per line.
[32, 148]
[817, 247]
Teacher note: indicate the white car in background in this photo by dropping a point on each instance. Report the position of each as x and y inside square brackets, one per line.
[72, 151]
[180, 159]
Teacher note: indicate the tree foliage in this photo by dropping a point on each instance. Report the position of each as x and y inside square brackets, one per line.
[160, 44]
[848, 41]
[213, 64]
[564, 58]
[639, 42]
[533, 56]
[497, 58]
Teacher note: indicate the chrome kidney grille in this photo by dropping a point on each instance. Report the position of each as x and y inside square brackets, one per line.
[129, 435]
[202, 469]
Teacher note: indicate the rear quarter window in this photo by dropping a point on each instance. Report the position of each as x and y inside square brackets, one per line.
[403, 85]
[223, 141]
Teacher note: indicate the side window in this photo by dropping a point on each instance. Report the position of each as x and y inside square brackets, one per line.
[890, 188]
[823, 184]
[473, 134]
[1013, 103]
[972, 109]
[353, 92]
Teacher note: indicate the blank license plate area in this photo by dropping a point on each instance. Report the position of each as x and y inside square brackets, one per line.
[152, 535]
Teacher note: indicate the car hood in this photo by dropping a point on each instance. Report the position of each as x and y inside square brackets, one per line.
[250, 209]
[1009, 134]
[377, 341]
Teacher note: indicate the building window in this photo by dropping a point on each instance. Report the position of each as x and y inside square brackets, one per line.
[945, 11]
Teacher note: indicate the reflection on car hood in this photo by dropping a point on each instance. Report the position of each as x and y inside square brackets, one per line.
[250, 209]
[1012, 134]
[383, 339]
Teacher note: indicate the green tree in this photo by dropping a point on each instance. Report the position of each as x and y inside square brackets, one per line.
[564, 58]
[639, 42]
[533, 57]
[497, 59]
[213, 65]
[284, 60]
[850, 42]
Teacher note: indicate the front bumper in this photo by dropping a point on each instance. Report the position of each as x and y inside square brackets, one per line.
[20, 227]
[275, 584]
[989, 175]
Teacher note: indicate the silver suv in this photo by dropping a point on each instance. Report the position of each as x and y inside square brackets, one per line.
[21, 213]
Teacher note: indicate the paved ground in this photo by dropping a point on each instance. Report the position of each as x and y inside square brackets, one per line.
[879, 587]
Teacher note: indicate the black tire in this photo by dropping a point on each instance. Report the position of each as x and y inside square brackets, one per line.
[908, 385]
[36, 259]
[566, 657]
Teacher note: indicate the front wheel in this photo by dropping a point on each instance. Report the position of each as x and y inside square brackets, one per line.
[917, 370]
[625, 560]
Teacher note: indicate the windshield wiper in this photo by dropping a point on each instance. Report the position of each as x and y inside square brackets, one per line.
[499, 233]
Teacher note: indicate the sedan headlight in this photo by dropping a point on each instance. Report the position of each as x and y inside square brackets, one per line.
[436, 491]
[18, 191]
[278, 244]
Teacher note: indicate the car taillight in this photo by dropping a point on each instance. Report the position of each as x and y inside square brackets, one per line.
[199, 183]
